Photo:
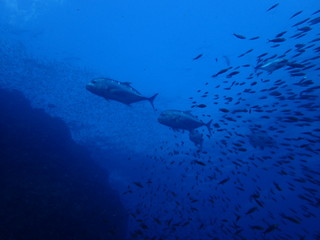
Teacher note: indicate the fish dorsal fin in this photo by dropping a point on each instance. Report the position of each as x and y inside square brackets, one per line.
[127, 83]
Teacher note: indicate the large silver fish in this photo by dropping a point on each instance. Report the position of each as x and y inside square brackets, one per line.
[184, 120]
[273, 65]
[118, 91]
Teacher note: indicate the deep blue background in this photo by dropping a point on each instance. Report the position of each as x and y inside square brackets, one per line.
[50, 50]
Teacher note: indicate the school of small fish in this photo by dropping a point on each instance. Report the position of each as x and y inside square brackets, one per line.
[266, 136]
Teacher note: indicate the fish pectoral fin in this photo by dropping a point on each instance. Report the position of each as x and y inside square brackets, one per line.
[177, 118]
[114, 90]
[111, 89]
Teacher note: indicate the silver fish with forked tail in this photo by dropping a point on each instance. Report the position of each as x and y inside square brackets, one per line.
[118, 91]
[273, 65]
[184, 120]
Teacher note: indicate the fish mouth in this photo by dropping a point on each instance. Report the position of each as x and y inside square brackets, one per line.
[89, 87]
[162, 119]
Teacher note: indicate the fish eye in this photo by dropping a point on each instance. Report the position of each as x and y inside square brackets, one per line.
[94, 81]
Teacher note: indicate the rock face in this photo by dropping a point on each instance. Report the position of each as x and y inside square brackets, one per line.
[49, 186]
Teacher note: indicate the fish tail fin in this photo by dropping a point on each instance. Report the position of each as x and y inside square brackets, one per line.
[151, 99]
[208, 126]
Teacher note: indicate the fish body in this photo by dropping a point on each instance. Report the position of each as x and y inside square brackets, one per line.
[314, 21]
[224, 181]
[184, 120]
[232, 74]
[273, 65]
[251, 210]
[301, 22]
[296, 14]
[305, 29]
[281, 34]
[118, 91]
[277, 40]
[239, 36]
[272, 7]
[271, 228]
[221, 71]
[197, 57]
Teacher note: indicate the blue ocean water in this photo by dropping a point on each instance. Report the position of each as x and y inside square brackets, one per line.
[77, 166]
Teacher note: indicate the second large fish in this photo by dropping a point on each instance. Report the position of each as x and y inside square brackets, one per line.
[184, 120]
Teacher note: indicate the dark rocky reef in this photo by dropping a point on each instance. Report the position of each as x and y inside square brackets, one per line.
[50, 188]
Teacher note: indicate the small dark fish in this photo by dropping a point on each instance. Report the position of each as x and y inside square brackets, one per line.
[201, 105]
[315, 40]
[251, 210]
[249, 51]
[262, 55]
[221, 71]
[143, 226]
[281, 34]
[318, 11]
[277, 186]
[199, 162]
[271, 228]
[224, 181]
[254, 38]
[138, 184]
[291, 219]
[273, 6]
[275, 93]
[301, 22]
[258, 202]
[297, 35]
[305, 29]
[157, 221]
[296, 14]
[239, 36]
[314, 21]
[232, 74]
[297, 74]
[256, 227]
[197, 57]
[289, 50]
[224, 110]
[216, 125]
[201, 226]
[277, 40]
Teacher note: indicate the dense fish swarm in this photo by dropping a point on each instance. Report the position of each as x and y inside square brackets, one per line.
[268, 131]
[254, 172]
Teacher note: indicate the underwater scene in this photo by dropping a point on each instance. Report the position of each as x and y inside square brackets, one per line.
[159, 120]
